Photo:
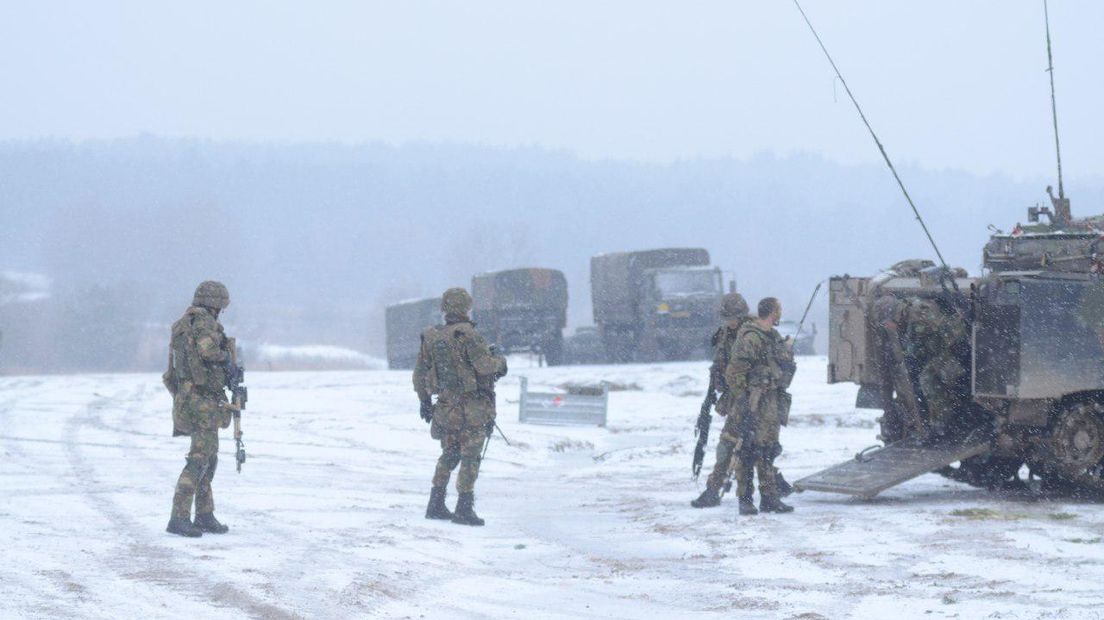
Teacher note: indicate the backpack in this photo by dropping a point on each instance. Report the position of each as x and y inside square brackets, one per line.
[185, 365]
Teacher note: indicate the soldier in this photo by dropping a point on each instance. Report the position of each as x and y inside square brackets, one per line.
[760, 369]
[196, 377]
[734, 310]
[937, 339]
[897, 393]
[456, 364]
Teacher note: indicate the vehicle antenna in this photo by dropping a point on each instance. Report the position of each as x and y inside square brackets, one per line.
[1061, 206]
[873, 135]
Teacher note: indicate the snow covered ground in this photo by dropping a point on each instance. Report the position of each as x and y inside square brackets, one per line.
[326, 518]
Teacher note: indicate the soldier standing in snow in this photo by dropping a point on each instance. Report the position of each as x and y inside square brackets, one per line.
[734, 310]
[759, 371]
[196, 378]
[456, 364]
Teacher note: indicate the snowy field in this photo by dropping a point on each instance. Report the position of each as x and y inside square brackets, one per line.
[327, 517]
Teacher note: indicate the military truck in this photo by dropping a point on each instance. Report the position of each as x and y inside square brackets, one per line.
[405, 322]
[522, 310]
[655, 305]
[1034, 392]
[584, 347]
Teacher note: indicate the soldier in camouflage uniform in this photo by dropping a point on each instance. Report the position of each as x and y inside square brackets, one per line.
[937, 339]
[903, 416]
[196, 377]
[759, 371]
[456, 364]
[734, 310]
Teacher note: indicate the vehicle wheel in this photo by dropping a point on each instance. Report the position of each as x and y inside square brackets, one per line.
[553, 351]
[1074, 445]
[618, 346]
[987, 472]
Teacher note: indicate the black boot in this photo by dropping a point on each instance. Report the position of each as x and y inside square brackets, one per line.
[208, 523]
[747, 507]
[183, 527]
[708, 499]
[437, 508]
[465, 512]
[771, 503]
[785, 489]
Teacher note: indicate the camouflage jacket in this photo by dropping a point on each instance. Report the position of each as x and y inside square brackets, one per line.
[456, 364]
[933, 333]
[722, 341]
[759, 359]
[196, 375]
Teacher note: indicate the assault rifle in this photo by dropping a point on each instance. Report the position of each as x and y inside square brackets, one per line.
[492, 425]
[235, 378]
[701, 430]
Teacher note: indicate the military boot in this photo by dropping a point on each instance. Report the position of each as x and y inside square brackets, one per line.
[785, 489]
[465, 510]
[771, 503]
[182, 526]
[208, 523]
[437, 508]
[747, 507]
[708, 499]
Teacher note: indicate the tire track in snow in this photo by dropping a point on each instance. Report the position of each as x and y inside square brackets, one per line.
[157, 565]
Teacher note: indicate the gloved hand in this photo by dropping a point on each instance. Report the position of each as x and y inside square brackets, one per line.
[427, 411]
[488, 428]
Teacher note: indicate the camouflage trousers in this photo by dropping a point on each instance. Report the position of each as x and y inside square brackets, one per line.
[938, 383]
[757, 459]
[726, 452]
[195, 480]
[464, 448]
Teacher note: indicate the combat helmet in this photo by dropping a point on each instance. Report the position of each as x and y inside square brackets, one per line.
[733, 306]
[211, 294]
[456, 301]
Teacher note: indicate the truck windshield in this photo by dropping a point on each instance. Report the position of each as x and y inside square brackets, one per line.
[683, 283]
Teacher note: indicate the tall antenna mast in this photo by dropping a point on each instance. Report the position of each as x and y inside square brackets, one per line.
[878, 142]
[1061, 204]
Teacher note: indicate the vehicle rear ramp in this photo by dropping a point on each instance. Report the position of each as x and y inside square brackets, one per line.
[879, 468]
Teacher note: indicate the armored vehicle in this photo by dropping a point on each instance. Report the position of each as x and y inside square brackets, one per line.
[405, 321]
[522, 310]
[656, 304]
[1032, 388]
[997, 373]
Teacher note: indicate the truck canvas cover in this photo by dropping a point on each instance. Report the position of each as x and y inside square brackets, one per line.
[875, 470]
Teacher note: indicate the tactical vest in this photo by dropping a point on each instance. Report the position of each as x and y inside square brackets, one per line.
[450, 371]
[185, 364]
[767, 372]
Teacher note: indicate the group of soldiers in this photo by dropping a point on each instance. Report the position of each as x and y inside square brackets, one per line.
[923, 344]
[752, 369]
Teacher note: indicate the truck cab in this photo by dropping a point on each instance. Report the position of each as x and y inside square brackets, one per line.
[681, 307]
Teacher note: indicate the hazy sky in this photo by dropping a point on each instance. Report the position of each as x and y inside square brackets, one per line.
[949, 84]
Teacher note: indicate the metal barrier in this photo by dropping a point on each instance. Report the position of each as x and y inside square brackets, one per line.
[562, 409]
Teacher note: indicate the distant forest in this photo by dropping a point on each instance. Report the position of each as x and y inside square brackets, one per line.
[315, 239]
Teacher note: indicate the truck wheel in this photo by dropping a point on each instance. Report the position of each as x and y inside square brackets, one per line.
[1075, 445]
[553, 351]
[619, 346]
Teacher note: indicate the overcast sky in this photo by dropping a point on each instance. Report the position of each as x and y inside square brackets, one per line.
[949, 84]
